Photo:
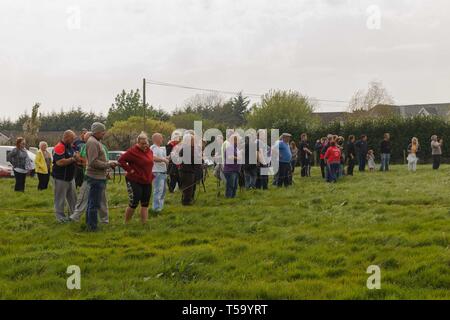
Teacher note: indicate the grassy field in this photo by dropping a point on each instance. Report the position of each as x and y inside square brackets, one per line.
[313, 241]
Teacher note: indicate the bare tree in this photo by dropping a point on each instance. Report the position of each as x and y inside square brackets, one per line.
[376, 94]
[31, 126]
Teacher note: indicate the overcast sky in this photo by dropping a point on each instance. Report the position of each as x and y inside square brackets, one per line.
[74, 53]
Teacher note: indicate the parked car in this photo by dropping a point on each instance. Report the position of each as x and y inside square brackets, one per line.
[4, 150]
[114, 156]
[6, 172]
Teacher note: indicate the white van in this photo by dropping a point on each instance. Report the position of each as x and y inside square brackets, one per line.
[4, 150]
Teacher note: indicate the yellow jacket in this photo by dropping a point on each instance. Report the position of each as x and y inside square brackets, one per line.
[41, 165]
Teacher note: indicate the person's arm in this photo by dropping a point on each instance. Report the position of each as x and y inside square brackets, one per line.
[93, 154]
[66, 162]
[124, 161]
[11, 157]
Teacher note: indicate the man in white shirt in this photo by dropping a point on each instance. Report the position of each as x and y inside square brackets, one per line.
[161, 161]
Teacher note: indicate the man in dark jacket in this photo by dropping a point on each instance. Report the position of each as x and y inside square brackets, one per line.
[363, 149]
[385, 151]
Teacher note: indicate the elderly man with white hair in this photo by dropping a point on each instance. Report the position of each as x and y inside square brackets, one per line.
[159, 172]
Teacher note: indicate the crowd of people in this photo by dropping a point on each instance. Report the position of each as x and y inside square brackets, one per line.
[83, 163]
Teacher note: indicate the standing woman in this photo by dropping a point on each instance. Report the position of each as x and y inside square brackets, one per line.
[138, 163]
[43, 165]
[436, 151]
[413, 148]
[21, 163]
[351, 155]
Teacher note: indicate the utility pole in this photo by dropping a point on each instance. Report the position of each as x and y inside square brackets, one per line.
[144, 102]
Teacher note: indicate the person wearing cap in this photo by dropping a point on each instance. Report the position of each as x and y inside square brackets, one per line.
[96, 173]
[436, 151]
[283, 151]
[82, 199]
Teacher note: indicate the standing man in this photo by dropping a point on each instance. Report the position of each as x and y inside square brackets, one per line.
[363, 149]
[283, 151]
[385, 151]
[96, 173]
[436, 151]
[159, 172]
[64, 161]
[305, 155]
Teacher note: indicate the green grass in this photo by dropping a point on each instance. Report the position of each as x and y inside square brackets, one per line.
[313, 241]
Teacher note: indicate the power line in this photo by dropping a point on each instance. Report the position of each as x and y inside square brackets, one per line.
[258, 95]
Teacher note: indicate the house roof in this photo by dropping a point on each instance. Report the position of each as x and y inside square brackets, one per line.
[437, 109]
[327, 117]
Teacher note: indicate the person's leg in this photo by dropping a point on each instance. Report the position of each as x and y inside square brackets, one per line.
[438, 162]
[129, 214]
[82, 201]
[382, 162]
[247, 177]
[254, 174]
[157, 191]
[134, 191]
[95, 195]
[59, 191]
[103, 210]
[20, 181]
[145, 202]
[235, 183]
[47, 181]
[388, 160]
[40, 181]
[322, 168]
[188, 186]
[287, 174]
[228, 184]
[71, 196]
[258, 184]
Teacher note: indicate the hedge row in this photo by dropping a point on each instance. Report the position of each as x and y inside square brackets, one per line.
[401, 131]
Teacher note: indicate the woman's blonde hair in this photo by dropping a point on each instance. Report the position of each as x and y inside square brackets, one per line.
[42, 143]
[142, 136]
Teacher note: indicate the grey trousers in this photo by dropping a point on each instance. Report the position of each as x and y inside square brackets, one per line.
[64, 190]
[82, 203]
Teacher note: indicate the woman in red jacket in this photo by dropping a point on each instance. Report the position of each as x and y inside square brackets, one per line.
[333, 160]
[138, 163]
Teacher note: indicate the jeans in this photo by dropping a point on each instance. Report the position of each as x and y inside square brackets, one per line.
[385, 159]
[82, 203]
[362, 162]
[96, 189]
[284, 174]
[250, 175]
[232, 179]
[159, 190]
[333, 172]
